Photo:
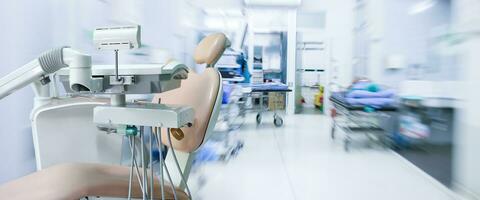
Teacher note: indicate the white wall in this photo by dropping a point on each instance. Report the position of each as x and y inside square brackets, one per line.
[22, 40]
[389, 29]
[375, 21]
[339, 28]
[411, 36]
[467, 139]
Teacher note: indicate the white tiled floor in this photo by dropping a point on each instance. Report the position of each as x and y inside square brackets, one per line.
[300, 161]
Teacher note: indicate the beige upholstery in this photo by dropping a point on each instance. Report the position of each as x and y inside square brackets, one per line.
[75, 181]
[211, 48]
[199, 91]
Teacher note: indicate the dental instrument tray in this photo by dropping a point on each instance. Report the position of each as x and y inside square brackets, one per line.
[135, 79]
[144, 114]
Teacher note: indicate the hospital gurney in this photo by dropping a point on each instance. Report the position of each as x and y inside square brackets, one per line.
[261, 91]
[358, 119]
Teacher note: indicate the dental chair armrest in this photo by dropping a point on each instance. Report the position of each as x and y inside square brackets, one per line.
[76, 181]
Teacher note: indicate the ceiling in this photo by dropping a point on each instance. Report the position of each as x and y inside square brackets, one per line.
[232, 14]
[218, 4]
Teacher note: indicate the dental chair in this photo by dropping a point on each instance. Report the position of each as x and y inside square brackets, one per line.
[204, 93]
[79, 180]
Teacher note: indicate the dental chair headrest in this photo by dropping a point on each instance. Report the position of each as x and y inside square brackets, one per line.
[211, 48]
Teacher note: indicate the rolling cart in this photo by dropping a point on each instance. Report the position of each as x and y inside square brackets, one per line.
[262, 91]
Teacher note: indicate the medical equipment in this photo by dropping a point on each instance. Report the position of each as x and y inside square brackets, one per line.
[234, 108]
[54, 135]
[51, 129]
[358, 119]
[262, 92]
[121, 117]
[116, 38]
[37, 71]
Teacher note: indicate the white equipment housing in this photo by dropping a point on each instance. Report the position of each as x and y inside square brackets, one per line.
[116, 38]
[38, 70]
[76, 138]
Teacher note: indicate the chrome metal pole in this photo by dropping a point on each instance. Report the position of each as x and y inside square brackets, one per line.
[160, 152]
[116, 65]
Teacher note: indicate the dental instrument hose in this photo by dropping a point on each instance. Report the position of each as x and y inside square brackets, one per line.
[152, 177]
[166, 169]
[178, 165]
[160, 159]
[144, 169]
[130, 177]
[134, 161]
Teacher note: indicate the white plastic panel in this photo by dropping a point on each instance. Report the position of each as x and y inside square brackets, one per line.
[65, 133]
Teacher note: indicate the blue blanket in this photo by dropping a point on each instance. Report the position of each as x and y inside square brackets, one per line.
[371, 102]
[267, 86]
[389, 93]
[367, 94]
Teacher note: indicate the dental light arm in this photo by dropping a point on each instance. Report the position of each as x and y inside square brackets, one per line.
[39, 69]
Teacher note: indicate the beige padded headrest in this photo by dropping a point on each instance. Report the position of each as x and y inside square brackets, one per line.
[211, 48]
[200, 92]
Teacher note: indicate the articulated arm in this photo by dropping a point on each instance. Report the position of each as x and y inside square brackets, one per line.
[38, 69]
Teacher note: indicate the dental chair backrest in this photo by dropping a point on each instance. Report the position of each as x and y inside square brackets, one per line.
[202, 91]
